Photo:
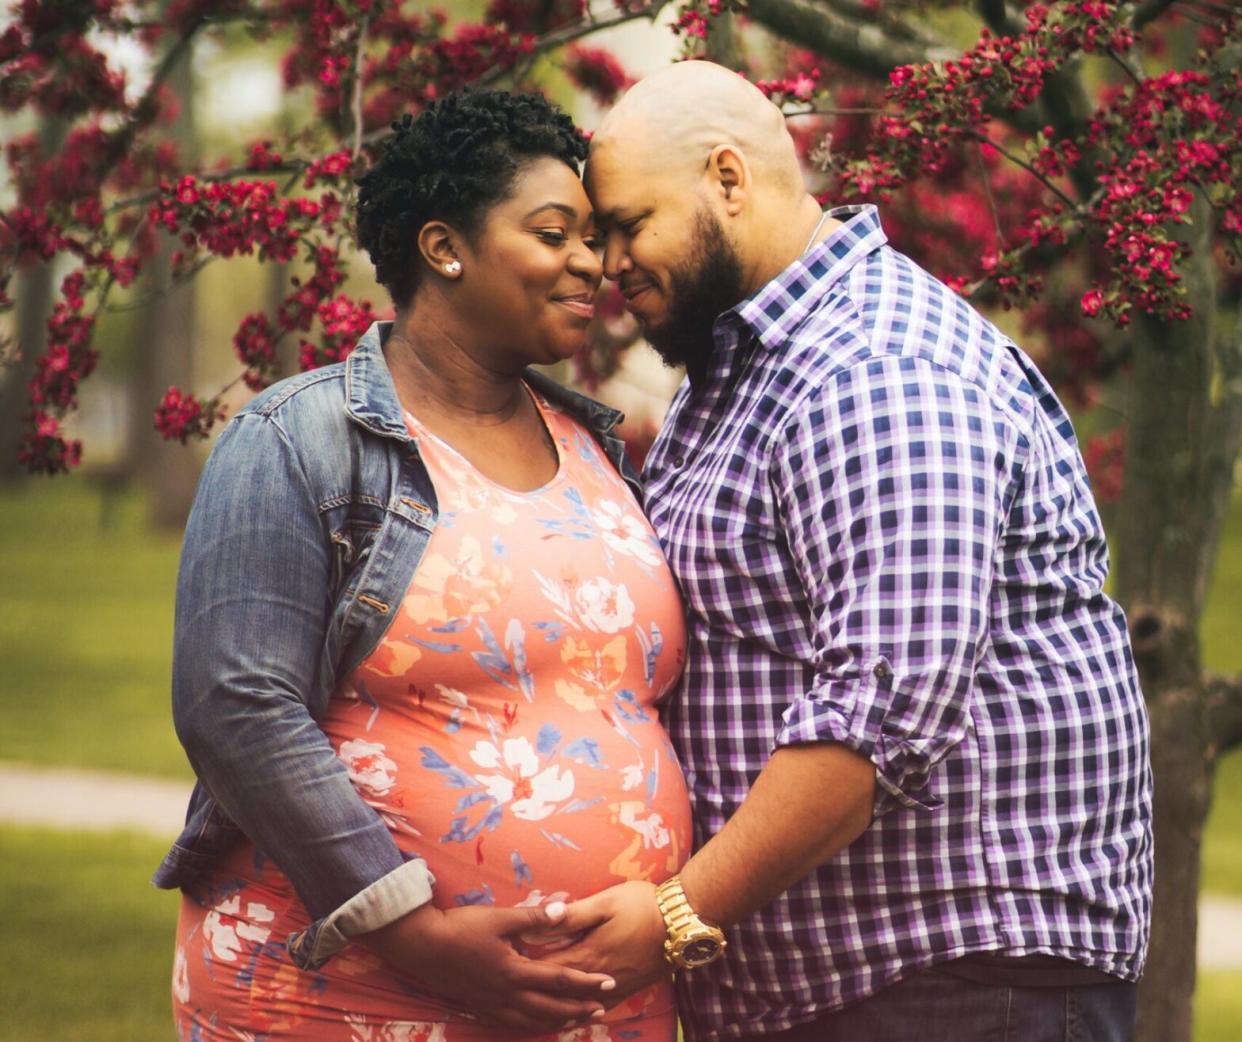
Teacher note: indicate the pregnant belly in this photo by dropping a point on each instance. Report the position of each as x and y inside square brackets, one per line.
[514, 817]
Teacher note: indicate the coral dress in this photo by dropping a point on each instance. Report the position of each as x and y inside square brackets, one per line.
[505, 730]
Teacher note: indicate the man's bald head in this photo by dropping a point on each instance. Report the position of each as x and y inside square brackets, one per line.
[674, 118]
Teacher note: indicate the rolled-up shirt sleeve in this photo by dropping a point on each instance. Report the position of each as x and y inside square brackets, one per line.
[253, 602]
[891, 481]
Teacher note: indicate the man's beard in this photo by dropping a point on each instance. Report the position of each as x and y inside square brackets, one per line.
[709, 283]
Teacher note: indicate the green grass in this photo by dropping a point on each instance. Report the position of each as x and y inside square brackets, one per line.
[1222, 651]
[85, 632]
[88, 941]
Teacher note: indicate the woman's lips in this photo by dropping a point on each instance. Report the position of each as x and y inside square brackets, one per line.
[582, 306]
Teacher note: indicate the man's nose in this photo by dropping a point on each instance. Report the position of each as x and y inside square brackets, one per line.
[616, 257]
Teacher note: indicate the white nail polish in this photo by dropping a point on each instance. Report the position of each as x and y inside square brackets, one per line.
[555, 909]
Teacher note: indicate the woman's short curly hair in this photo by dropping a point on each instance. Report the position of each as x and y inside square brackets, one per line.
[459, 157]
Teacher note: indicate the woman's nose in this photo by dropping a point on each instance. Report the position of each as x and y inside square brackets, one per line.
[585, 262]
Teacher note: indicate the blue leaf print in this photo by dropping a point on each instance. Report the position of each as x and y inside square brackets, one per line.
[573, 528]
[586, 752]
[433, 760]
[452, 626]
[498, 548]
[627, 706]
[431, 645]
[651, 651]
[515, 642]
[492, 661]
[653, 777]
[481, 896]
[522, 875]
[552, 631]
[556, 839]
[454, 722]
[577, 805]
[547, 741]
[469, 800]
[454, 777]
[367, 698]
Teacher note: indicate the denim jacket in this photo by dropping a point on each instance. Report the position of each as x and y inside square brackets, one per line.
[310, 518]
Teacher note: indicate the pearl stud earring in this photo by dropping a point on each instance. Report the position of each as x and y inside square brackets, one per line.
[453, 267]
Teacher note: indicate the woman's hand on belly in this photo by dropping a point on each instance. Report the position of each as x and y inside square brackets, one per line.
[465, 958]
[621, 933]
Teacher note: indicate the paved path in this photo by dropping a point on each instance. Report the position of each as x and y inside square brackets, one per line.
[99, 800]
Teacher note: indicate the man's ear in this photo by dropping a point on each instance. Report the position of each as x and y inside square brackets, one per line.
[437, 242]
[730, 177]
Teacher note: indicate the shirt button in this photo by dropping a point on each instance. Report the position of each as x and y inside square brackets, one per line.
[881, 671]
[680, 461]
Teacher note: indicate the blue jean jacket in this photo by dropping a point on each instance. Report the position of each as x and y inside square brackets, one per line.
[310, 518]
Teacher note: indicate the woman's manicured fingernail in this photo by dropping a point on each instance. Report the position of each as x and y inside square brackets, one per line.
[607, 985]
[597, 1014]
[555, 909]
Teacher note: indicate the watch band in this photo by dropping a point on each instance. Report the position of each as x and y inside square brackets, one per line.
[686, 929]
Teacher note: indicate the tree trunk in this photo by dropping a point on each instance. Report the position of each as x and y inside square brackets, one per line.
[167, 328]
[1177, 477]
[35, 294]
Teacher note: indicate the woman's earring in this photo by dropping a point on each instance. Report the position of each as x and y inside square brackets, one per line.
[453, 267]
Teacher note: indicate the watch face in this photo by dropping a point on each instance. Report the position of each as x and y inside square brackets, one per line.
[700, 951]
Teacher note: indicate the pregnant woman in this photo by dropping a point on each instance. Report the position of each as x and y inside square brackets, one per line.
[422, 629]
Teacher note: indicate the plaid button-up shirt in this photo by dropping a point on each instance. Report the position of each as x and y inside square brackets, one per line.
[885, 537]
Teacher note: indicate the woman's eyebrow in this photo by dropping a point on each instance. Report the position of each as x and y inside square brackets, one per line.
[564, 208]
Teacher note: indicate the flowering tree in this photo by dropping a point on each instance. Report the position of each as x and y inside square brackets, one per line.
[1078, 162]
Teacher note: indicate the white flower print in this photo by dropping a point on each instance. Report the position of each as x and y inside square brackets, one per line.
[181, 975]
[225, 932]
[586, 1033]
[624, 532]
[532, 793]
[603, 606]
[631, 776]
[370, 769]
[648, 824]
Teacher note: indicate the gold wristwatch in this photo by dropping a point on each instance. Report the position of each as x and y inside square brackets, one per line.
[691, 941]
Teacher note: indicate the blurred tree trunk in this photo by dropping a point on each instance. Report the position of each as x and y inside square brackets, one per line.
[1184, 420]
[35, 292]
[166, 349]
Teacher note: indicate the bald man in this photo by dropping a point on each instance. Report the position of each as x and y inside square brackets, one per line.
[909, 718]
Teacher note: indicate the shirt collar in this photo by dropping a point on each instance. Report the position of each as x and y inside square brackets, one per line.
[777, 309]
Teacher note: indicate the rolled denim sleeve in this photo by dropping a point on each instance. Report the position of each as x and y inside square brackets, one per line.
[891, 481]
[254, 599]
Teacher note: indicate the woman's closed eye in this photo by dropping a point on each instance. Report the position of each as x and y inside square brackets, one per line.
[553, 236]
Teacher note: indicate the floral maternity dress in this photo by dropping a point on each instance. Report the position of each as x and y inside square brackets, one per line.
[504, 729]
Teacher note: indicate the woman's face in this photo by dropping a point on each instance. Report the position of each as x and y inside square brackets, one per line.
[530, 279]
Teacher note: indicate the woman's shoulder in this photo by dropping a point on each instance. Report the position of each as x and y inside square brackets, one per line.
[315, 389]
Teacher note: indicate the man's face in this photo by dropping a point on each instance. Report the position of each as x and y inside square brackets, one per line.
[667, 251]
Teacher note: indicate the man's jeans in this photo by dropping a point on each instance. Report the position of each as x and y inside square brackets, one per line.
[937, 1007]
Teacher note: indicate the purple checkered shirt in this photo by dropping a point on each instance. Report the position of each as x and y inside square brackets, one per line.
[885, 536]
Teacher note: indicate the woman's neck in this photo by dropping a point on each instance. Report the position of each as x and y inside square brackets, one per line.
[434, 365]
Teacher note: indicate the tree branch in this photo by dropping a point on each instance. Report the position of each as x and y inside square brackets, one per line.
[999, 20]
[1224, 709]
[1149, 11]
[865, 48]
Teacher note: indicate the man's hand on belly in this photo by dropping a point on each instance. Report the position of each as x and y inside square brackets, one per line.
[622, 936]
[466, 958]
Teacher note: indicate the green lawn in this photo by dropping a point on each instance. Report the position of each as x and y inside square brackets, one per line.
[85, 632]
[88, 941]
